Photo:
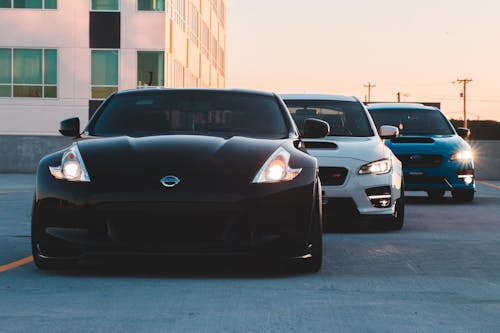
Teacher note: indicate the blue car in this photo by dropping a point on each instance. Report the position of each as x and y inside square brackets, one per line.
[435, 157]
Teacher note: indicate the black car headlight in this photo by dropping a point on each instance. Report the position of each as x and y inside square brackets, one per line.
[376, 168]
[72, 167]
[276, 169]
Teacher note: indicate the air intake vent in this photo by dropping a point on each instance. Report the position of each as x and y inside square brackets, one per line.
[412, 140]
[321, 145]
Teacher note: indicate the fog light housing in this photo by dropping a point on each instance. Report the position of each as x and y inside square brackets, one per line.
[466, 175]
[380, 197]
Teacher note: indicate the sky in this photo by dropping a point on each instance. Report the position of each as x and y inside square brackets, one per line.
[417, 48]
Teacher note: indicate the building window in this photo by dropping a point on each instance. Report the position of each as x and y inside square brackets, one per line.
[205, 39]
[222, 13]
[28, 73]
[105, 5]
[104, 76]
[35, 4]
[214, 50]
[222, 62]
[151, 5]
[194, 24]
[178, 75]
[193, 81]
[150, 69]
[180, 14]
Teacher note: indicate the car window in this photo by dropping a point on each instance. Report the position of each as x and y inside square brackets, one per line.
[345, 118]
[413, 121]
[190, 112]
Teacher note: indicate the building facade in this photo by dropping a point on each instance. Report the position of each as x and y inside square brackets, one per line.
[61, 58]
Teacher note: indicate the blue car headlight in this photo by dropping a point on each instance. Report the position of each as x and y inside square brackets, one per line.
[464, 155]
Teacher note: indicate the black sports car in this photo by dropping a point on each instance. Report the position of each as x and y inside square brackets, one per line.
[178, 171]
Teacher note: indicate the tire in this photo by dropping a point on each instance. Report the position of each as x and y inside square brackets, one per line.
[314, 262]
[396, 221]
[463, 195]
[42, 262]
[435, 194]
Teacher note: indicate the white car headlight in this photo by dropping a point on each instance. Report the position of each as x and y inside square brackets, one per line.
[462, 155]
[376, 168]
[276, 169]
[72, 167]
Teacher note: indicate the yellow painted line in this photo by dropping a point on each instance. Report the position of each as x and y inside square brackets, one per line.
[488, 184]
[16, 264]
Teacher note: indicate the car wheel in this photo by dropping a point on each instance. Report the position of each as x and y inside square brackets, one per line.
[435, 194]
[314, 262]
[463, 195]
[397, 219]
[41, 261]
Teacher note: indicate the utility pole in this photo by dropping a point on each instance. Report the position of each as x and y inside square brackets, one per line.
[464, 82]
[369, 86]
[399, 97]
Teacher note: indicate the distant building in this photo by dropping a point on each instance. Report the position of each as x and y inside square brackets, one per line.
[61, 58]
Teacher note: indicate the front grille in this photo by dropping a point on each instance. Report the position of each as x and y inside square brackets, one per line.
[189, 230]
[412, 140]
[332, 175]
[422, 180]
[420, 160]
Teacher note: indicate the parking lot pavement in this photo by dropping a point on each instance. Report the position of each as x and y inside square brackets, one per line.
[441, 273]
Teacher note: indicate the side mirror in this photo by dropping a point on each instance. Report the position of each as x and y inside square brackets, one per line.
[463, 132]
[70, 127]
[315, 128]
[388, 132]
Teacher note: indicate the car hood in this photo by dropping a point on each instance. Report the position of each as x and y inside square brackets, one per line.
[366, 149]
[195, 160]
[427, 144]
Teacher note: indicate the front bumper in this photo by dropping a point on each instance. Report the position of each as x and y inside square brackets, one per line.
[354, 196]
[273, 219]
[450, 175]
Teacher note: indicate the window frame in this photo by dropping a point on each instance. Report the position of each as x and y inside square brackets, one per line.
[163, 52]
[105, 86]
[105, 10]
[152, 10]
[43, 85]
[36, 8]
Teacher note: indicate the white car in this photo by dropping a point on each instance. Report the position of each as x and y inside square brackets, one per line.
[361, 178]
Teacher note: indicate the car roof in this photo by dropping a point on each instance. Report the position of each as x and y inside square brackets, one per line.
[159, 89]
[399, 106]
[324, 97]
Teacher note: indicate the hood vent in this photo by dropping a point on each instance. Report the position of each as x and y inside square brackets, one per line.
[412, 140]
[321, 145]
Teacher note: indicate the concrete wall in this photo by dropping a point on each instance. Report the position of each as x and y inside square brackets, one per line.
[487, 158]
[20, 154]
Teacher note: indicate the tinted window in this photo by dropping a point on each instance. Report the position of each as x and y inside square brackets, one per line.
[413, 121]
[190, 112]
[345, 118]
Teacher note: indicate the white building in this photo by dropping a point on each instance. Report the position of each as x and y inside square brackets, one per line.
[60, 58]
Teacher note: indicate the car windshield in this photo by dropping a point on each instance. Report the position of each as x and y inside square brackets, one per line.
[197, 112]
[345, 118]
[413, 121]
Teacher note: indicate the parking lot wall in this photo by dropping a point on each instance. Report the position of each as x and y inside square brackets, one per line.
[21, 153]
